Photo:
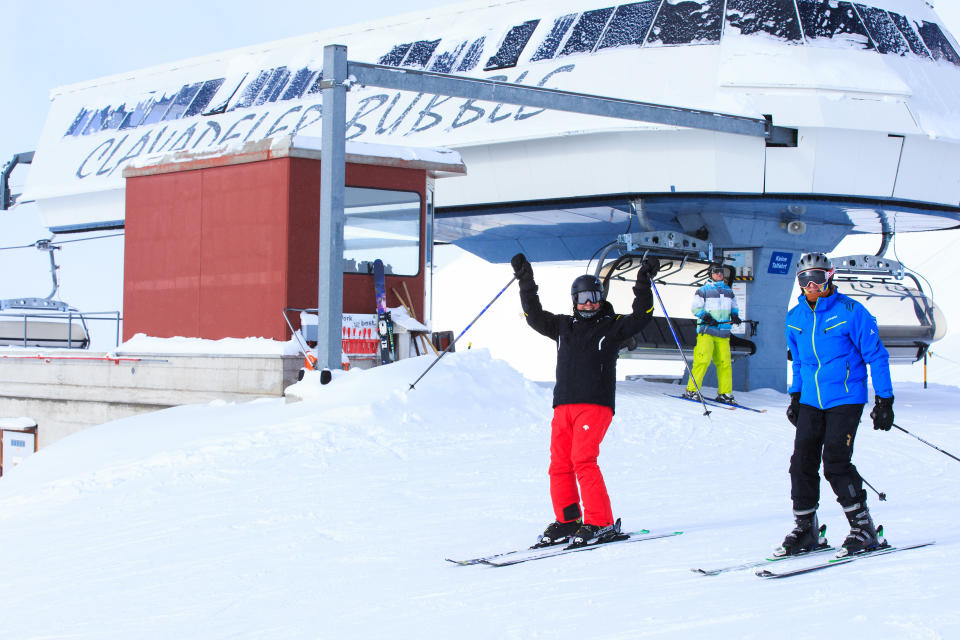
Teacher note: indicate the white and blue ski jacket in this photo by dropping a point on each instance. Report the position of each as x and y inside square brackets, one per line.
[717, 300]
[831, 347]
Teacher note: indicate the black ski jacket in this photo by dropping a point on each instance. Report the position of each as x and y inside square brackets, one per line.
[587, 348]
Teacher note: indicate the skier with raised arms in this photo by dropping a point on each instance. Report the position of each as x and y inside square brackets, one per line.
[588, 343]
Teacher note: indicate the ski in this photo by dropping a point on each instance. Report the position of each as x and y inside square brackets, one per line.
[550, 552]
[743, 406]
[384, 324]
[716, 403]
[711, 403]
[533, 549]
[765, 561]
[836, 562]
[504, 554]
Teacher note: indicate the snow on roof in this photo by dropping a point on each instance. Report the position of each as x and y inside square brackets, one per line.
[886, 67]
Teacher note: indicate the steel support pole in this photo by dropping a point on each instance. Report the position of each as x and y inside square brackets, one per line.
[569, 101]
[332, 184]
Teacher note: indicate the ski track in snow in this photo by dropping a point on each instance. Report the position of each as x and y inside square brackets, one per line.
[331, 517]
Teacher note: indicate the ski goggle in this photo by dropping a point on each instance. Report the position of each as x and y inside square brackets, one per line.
[714, 270]
[818, 277]
[583, 297]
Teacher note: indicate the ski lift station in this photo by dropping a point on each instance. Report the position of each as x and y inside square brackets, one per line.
[268, 178]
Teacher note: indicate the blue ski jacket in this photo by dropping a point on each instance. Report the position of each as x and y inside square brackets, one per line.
[831, 346]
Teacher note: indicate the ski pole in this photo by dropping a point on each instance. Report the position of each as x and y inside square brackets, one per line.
[706, 411]
[450, 346]
[880, 494]
[927, 443]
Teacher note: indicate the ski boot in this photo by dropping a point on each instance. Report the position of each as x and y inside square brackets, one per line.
[863, 535]
[725, 398]
[589, 534]
[691, 395]
[807, 535]
[557, 532]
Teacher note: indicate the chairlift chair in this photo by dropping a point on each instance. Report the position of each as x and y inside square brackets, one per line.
[684, 262]
[43, 322]
[907, 318]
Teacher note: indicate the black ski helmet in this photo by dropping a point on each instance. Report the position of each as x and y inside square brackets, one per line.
[717, 267]
[583, 283]
[586, 282]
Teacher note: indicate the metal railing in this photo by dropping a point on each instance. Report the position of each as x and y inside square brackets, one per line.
[66, 319]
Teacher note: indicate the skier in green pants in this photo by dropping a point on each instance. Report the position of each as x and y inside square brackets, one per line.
[716, 310]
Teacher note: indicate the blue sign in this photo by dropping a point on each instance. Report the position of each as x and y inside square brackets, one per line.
[780, 262]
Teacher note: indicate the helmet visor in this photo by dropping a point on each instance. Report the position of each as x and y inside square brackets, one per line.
[583, 297]
[716, 269]
[818, 277]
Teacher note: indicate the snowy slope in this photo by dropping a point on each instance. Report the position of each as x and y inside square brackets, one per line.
[331, 518]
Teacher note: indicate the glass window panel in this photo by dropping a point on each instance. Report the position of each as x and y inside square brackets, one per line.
[158, 109]
[380, 223]
[274, 85]
[203, 97]
[937, 43]
[444, 62]
[472, 57]
[913, 40]
[687, 22]
[182, 101]
[315, 87]
[395, 56]
[299, 84]
[249, 93]
[115, 118]
[630, 24]
[420, 53]
[96, 121]
[512, 46]
[834, 21]
[775, 17]
[885, 34]
[79, 123]
[586, 33]
[548, 48]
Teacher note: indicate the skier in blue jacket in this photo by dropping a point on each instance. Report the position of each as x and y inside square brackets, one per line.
[832, 338]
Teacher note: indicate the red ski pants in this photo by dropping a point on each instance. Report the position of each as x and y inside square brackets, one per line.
[576, 433]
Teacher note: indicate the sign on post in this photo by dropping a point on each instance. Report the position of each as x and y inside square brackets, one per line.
[18, 439]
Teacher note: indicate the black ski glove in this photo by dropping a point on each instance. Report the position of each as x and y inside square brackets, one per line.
[648, 268]
[735, 319]
[793, 411]
[882, 413]
[708, 320]
[521, 268]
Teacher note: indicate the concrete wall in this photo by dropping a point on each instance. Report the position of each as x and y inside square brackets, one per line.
[69, 393]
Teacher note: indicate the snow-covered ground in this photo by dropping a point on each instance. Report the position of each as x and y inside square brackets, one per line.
[331, 518]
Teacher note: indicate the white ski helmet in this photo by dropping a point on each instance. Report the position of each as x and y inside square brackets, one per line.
[814, 261]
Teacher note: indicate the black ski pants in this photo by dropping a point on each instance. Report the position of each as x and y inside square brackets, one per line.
[826, 434]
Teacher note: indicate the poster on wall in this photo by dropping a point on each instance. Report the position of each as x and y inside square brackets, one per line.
[740, 294]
